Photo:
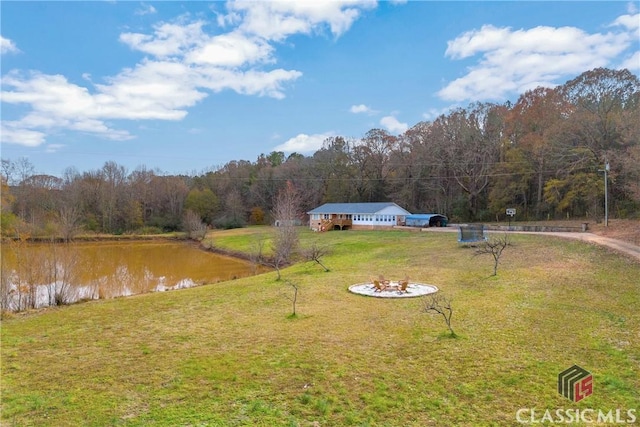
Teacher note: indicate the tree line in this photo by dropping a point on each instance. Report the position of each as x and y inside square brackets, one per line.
[543, 155]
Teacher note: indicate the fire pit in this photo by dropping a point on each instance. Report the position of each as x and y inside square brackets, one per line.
[392, 290]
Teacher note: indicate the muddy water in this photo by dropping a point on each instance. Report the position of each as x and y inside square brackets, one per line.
[38, 275]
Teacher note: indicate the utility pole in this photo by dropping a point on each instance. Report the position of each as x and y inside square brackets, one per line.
[606, 193]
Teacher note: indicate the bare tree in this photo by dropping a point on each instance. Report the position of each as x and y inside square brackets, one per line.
[193, 225]
[66, 292]
[235, 206]
[494, 246]
[7, 289]
[314, 253]
[293, 298]
[113, 178]
[372, 159]
[69, 222]
[471, 138]
[30, 273]
[60, 264]
[439, 304]
[286, 213]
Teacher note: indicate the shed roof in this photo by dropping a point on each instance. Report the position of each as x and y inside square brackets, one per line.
[358, 208]
[425, 216]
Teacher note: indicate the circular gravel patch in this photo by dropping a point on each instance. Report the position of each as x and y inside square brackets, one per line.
[413, 290]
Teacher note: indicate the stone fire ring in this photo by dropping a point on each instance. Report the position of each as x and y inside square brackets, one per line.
[413, 290]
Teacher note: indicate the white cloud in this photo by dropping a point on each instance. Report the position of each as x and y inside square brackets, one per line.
[393, 125]
[251, 82]
[168, 39]
[513, 61]
[231, 50]
[184, 65]
[304, 143]
[152, 90]
[14, 133]
[146, 9]
[361, 108]
[53, 148]
[632, 63]
[630, 22]
[7, 46]
[276, 20]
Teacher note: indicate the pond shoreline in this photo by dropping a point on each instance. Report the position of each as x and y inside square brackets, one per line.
[266, 261]
[178, 236]
[102, 238]
[89, 269]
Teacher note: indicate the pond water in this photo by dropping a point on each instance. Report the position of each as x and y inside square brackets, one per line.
[39, 275]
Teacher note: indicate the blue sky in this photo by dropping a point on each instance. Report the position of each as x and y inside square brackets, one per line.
[185, 87]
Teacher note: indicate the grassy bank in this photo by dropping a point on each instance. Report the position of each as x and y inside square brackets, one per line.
[229, 354]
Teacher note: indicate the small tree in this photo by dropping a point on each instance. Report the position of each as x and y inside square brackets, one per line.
[279, 258]
[293, 298]
[438, 303]
[314, 253]
[494, 246]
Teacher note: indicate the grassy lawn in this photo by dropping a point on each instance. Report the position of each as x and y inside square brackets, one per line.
[229, 354]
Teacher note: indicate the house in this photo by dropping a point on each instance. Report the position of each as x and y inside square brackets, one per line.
[426, 220]
[356, 216]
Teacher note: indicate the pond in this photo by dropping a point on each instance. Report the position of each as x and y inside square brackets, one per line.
[40, 275]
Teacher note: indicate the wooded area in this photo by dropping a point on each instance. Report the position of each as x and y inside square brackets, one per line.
[544, 155]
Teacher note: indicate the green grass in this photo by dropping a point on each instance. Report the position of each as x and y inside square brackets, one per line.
[230, 354]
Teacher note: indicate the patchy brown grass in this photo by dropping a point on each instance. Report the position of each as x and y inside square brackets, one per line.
[228, 354]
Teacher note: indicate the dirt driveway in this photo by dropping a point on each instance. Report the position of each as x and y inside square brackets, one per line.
[615, 244]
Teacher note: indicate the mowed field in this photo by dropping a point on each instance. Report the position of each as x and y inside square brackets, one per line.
[231, 354]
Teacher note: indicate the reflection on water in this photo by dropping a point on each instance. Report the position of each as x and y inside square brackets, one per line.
[38, 275]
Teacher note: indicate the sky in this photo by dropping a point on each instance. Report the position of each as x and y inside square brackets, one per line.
[184, 87]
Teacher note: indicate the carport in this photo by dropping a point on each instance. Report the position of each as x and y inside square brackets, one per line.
[426, 220]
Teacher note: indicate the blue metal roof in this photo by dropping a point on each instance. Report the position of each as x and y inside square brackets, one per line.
[424, 216]
[357, 208]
